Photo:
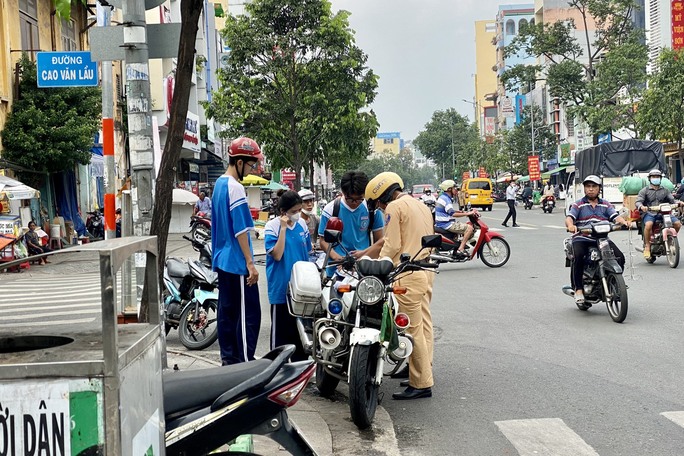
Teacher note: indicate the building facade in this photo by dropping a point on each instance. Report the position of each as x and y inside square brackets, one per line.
[485, 107]
[387, 143]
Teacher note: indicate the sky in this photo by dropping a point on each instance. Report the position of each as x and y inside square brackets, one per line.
[424, 54]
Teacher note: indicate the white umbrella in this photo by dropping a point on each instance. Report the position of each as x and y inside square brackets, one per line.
[181, 196]
[15, 190]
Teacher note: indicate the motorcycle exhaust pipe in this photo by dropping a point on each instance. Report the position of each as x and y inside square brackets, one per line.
[569, 291]
[303, 336]
[329, 337]
[403, 351]
[441, 258]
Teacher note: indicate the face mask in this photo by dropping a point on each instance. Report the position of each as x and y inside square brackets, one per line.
[294, 218]
[307, 212]
[655, 181]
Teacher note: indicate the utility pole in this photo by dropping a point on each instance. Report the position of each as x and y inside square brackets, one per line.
[139, 115]
[104, 16]
[453, 155]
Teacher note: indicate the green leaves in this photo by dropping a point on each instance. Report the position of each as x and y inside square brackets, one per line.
[63, 7]
[518, 141]
[297, 83]
[50, 130]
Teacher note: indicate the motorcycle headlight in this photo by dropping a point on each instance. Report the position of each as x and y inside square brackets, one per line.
[601, 229]
[665, 208]
[370, 290]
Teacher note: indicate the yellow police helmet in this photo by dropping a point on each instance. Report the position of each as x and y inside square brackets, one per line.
[383, 185]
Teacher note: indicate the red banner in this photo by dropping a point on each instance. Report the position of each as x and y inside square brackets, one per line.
[481, 172]
[677, 7]
[533, 167]
[288, 176]
[466, 175]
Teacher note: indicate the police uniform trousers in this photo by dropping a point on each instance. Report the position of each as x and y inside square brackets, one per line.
[416, 304]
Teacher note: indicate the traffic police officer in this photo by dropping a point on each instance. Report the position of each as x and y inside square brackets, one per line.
[407, 220]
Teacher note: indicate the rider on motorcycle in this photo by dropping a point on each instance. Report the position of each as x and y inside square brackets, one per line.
[427, 196]
[549, 192]
[584, 212]
[445, 213]
[203, 206]
[653, 195]
[527, 192]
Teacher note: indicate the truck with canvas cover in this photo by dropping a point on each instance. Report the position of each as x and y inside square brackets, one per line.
[612, 161]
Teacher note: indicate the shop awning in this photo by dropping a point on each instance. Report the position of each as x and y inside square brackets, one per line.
[548, 174]
[181, 196]
[15, 190]
[275, 186]
[524, 179]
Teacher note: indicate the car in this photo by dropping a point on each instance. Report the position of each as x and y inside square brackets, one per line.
[418, 189]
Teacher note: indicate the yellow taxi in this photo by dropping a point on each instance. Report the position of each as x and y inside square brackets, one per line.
[476, 191]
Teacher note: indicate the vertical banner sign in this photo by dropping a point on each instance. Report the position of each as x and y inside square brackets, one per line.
[466, 175]
[677, 24]
[565, 158]
[533, 167]
[481, 172]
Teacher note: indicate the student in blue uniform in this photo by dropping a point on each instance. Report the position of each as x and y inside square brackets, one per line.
[352, 209]
[287, 240]
[239, 310]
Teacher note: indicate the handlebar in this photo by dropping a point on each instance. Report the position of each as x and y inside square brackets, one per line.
[613, 227]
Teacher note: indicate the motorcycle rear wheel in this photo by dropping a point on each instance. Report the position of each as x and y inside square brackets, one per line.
[617, 305]
[673, 249]
[200, 233]
[502, 255]
[363, 393]
[198, 338]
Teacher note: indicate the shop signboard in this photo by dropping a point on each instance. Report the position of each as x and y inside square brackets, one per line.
[533, 167]
[288, 176]
[191, 136]
[677, 8]
[565, 158]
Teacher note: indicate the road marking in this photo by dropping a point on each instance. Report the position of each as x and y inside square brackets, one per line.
[675, 417]
[558, 227]
[50, 314]
[52, 307]
[544, 436]
[48, 323]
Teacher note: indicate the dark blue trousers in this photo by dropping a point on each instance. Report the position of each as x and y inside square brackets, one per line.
[239, 318]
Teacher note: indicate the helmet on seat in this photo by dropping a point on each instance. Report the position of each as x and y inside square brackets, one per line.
[592, 179]
[246, 148]
[382, 186]
[447, 184]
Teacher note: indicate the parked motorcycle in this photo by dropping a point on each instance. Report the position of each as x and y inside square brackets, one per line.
[490, 246]
[603, 279]
[352, 325]
[190, 298]
[95, 224]
[548, 204]
[206, 409]
[663, 236]
[200, 227]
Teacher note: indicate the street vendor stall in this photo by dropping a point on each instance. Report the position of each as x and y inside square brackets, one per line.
[12, 192]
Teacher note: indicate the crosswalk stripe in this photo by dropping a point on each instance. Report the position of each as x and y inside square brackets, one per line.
[544, 436]
[675, 417]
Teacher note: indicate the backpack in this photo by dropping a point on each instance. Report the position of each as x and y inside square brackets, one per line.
[371, 217]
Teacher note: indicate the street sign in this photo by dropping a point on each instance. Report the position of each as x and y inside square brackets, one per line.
[533, 167]
[288, 176]
[66, 69]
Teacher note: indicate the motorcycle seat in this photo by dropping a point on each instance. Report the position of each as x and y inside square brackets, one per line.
[187, 391]
[444, 232]
[177, 267]
[369, 267]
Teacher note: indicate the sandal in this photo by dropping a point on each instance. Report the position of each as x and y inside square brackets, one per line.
[579, 298]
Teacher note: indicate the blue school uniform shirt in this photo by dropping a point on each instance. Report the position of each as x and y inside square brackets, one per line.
[297, 248]
[355, 226]
[230, 218]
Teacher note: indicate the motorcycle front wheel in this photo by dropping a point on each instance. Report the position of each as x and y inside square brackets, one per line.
[673, 251]
[197, 332]
[325, 382]
[363, 392]
[617, 304]
[495, 253]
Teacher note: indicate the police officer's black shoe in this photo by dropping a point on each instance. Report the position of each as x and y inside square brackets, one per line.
[413, 393]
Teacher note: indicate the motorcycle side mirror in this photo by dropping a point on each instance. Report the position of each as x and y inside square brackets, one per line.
[332, 236]
[404, 257]
[431, 241]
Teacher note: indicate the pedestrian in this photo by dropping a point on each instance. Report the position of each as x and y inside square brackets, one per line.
[33, 244]
[239, 311]
[511, 192]
[308, 214]
[407, 221]
[287, 240]
[362, 233]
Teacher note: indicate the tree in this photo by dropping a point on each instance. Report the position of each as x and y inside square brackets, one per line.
[50, 130]
[296, 82]
[449, 138]
[163, 196]
[63, 7]
[402, 164]
[661, 112]
[518, 141]
[598, 79]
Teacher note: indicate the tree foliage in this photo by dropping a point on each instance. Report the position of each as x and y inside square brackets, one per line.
[52, 129]
[296, 82]
[518, 140]
[598, 77]
[402, 164]
[449, 138]
[63, 7]
[661, 112]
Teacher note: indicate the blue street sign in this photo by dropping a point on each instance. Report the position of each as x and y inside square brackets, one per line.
[66, 69]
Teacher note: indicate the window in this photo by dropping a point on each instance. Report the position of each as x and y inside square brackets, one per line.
[388, 141]
[510, 27]
[531, 22]
[522, 24]
[69, 41]
[479, 185]
[28, 24]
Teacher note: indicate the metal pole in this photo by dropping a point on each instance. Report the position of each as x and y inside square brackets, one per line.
[139, 124]
[453, 156]
[103, 19]
[126, 230]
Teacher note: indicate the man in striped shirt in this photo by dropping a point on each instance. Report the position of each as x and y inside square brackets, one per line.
[584, 212]
[445, 213]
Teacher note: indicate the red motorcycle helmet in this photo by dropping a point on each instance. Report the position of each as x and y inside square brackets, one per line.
[245, 147]
[334, 223]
